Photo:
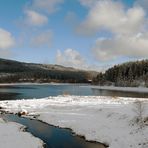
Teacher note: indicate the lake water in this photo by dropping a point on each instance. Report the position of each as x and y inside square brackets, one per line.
[13, 92]
[54, 137]
[118, 93]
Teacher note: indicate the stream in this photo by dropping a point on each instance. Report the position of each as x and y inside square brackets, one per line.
[53, 137]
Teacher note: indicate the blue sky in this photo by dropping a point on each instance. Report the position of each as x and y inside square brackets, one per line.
[87, 34]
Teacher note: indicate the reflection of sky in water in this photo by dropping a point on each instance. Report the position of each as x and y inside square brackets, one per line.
[119, 93]
[52, 136]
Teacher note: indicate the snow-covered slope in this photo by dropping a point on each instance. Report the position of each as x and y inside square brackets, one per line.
[118, 122]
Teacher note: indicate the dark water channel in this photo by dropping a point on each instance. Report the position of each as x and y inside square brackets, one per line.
[54, 137]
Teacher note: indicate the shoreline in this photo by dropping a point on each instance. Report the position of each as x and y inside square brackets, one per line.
[51, 83]
[112, 88]
[123, 89]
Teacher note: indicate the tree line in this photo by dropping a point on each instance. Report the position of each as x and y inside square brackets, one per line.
[13, 71]
[130, 74]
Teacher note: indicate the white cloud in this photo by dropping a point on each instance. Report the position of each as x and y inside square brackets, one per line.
[34, 18]
[70, 58]
[36, 12]
[6, 39]
[42, 39]
[49, 6]
[6, 42]
[113, 48]
[112, 16]
[127, 25]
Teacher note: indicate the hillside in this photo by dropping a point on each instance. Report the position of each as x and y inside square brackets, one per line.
[127, 74]
[14, 71]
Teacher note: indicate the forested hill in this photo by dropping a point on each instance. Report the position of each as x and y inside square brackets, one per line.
[127, 74]
[14, 71]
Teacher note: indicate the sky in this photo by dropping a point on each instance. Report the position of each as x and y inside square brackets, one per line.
[85, 34]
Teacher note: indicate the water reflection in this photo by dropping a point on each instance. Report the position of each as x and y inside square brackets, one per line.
[114, 93]
[53, 137]
[8, 96]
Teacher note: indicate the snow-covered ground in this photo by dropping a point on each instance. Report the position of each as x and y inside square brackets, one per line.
[115, 121]
[124, 89]
[12, 136]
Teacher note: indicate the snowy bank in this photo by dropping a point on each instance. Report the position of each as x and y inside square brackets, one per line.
[12, 136]
[115, 121]
[124, 89]
[29, 83]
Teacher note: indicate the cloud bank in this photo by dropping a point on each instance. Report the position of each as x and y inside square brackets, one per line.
[127, 25]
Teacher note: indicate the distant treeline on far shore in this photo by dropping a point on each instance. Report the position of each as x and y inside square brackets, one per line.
[14, 71]
[130, 74]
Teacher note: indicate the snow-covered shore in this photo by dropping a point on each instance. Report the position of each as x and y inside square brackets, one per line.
[12, 136]
[124, 89]
[35, 83]
[27, 83]
[115, 121]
